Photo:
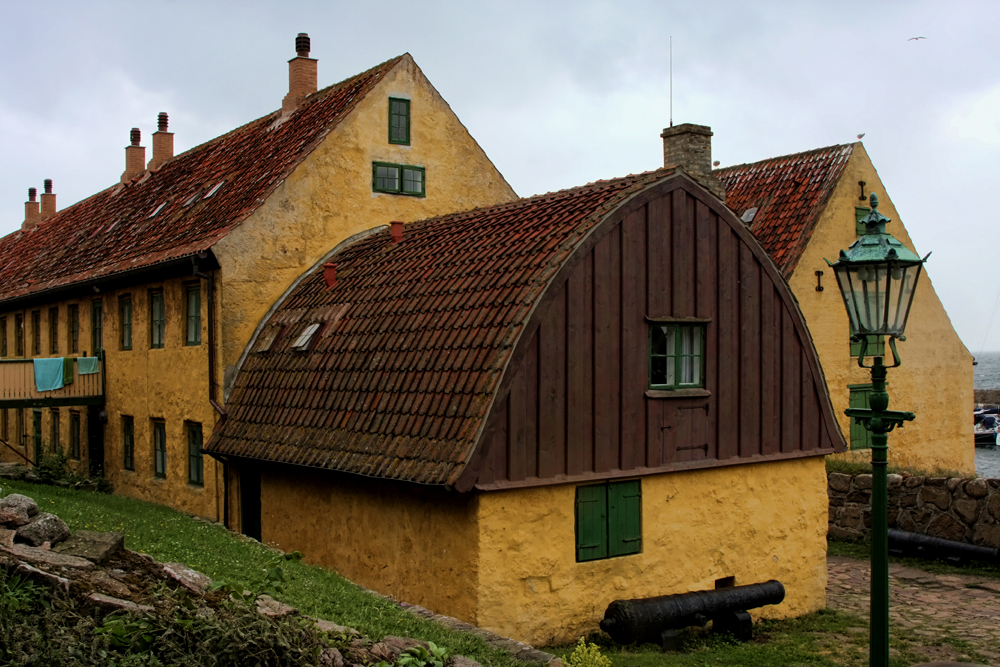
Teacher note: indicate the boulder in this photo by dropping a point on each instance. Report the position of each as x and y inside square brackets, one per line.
[115, 604]
[193, 580]
[936, 496]
[95, 547]
[271, 608]
[967, 510]
[947, 527]
[839, 482]
[331, 657]
[13, 517]
[106, 583]
[47, 557]
[894, 481]
[16, 500]
[44, 527]
[400, 644]
[863, 481]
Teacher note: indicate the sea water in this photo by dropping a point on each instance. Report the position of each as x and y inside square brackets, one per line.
[986, 375]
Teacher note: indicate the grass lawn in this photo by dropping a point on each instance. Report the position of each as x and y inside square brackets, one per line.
[823, 638]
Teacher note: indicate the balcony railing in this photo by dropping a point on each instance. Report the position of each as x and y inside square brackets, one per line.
[18, 388]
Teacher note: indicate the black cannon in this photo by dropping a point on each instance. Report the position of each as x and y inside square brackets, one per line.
[657, 619]
[905, 543]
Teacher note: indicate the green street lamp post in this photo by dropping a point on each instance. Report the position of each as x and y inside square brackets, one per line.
[877, 276]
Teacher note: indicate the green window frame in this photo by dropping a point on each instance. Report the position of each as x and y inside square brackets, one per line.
[19, 336]
[74, 435]
[399, 179]
[196, 460]
[608, 520]
[74, 328]
[125, 308]
[399, 121]
[676, 355]
[3, 337]
[159, 448]
[128, 442]
[876, 347]
[97, 325]
[157, 319]
[36, 432]
[54, 430]
[193, 304]
[54, 330]
[861, 438]
[36, 332]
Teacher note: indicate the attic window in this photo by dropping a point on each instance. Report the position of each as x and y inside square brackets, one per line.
[266, 341]
[749, 214]
[215, 188]
[302, 342]
[157, 210]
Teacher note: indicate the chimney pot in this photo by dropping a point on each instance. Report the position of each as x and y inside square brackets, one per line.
[302, 75]
[330, 274]
[135, 136]
[32, 193]
[397, 231]
[689, 148]
[302, 45]
[48, 201]
[163, 143]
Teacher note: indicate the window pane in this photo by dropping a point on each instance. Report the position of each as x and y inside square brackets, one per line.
[387, 178]
[193, 336]
[126, 307]
[413, 181]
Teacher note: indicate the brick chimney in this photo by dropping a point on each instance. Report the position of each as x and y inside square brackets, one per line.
[163, 142]
[48, 200]
[32, 215]
[135, 156]
[689, 147]
[302, 75]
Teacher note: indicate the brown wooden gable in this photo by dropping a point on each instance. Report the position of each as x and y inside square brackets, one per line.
[574, 402]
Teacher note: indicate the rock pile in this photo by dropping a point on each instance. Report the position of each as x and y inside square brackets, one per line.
[965, 510]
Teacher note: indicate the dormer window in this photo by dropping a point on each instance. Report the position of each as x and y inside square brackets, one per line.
[399, 121]
[301, 344]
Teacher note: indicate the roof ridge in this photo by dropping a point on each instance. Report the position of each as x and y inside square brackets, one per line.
[789, 155]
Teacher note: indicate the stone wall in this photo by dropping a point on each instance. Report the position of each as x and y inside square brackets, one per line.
[966, 510]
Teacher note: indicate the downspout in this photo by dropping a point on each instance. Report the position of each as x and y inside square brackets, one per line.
[212, 383]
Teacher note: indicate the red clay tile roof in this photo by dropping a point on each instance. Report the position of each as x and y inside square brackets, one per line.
[114, 231]
[789, 193]
[413, 339]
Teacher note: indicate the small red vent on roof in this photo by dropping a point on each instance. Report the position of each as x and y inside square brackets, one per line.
[330, 274]
[397, 231]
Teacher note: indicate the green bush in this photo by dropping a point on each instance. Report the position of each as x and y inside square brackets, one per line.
[587, 655]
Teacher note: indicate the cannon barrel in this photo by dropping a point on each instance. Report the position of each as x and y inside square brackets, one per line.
[917, 544]
[628, 621]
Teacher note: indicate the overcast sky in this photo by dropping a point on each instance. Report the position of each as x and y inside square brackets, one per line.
[557, 93]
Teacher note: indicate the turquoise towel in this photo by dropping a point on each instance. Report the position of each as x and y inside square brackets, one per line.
[49, 374]
[87, 365]
[68, 370]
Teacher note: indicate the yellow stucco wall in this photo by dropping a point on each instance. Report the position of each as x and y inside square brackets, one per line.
[752, 522]
[935, 380]
[329, 197]
[418, 544]
[168, 383]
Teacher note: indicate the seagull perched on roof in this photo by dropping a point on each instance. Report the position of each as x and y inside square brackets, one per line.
[913, 39]
[861, 135]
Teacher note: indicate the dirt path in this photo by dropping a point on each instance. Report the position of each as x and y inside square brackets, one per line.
[929, 605]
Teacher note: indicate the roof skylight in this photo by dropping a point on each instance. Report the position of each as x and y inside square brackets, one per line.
[302, 342]
[157, 210]
[215, 188]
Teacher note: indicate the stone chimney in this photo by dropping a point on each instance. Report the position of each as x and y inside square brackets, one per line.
[32, 215]
[163, 143]
[302, 75]
[135, 157]
[689, 148]
[48, 201]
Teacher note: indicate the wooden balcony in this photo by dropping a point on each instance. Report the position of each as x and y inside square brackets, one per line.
[18, 389]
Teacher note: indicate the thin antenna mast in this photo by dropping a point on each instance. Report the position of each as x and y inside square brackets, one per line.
[671, 60]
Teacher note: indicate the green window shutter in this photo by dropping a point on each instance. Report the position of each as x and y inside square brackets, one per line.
[591, 522]
[861, 438]
[624, 518]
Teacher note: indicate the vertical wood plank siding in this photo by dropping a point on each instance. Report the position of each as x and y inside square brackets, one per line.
[577, 404]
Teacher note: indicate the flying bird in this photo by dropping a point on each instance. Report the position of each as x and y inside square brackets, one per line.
[861, 135]
[913, 39]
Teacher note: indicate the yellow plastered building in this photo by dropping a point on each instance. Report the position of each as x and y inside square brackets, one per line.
[804, 209]
[518, 414]
[163, 277]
